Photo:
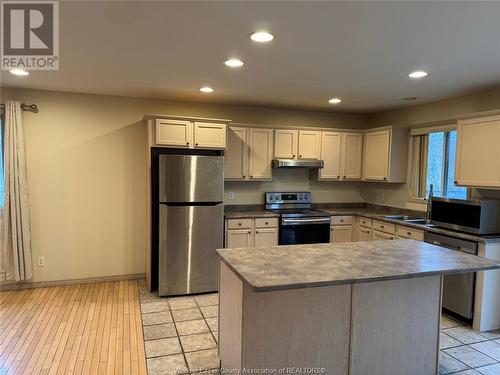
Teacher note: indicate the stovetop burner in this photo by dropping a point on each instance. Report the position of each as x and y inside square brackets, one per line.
[294, 212]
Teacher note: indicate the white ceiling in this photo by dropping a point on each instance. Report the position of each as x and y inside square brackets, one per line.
[358, 51]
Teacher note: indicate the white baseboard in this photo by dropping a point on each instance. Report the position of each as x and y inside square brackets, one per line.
[13, 285]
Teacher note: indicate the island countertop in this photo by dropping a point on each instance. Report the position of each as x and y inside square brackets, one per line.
[315, 265]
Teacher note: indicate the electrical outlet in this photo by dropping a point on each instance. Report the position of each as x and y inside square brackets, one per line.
[231, 195]
[41, 261]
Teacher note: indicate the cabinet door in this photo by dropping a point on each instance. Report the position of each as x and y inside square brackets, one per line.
[352, 147]
[260, 143]
[266, 237]
[285, 143]
[175, 133]
[236, 155]
[365, 234]
[376, 155]
[478, 152]
[341, 233]
[330, 154]
[381, 236]
[209, 135]
[239, 238]
[309, 144]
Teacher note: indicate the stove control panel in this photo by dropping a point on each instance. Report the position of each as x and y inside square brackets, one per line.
[293, 197]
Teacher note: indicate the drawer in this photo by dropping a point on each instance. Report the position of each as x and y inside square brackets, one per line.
[381, 236]
[266, 222]
[412, 233]
[239, 223]
[384, 227]
[340, 220]
[364, 222]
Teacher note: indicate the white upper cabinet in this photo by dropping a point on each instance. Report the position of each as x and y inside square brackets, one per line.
[260, 145]
[352, 148]
[176, 133]
[249, 154]
[297, 144]
[376, 156]
[286, 143]
[309, 144]
[236, 155]
[385, 155]
[330, 154]
[209, 135]
[341, 153]
[477, 160]
[190, 134]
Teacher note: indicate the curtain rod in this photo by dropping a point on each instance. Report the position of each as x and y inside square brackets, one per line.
[25, 107]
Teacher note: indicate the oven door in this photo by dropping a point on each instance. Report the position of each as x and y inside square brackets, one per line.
[304, 230]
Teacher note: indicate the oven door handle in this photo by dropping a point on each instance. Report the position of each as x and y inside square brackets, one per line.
[323, 220]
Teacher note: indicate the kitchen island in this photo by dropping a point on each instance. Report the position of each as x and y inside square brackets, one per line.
[346, 308]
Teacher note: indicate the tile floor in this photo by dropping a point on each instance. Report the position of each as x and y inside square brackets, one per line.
[180, 336]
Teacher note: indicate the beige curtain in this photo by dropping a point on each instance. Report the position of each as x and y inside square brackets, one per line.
[15, 228]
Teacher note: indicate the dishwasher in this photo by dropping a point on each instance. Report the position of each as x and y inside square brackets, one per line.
[458, 290]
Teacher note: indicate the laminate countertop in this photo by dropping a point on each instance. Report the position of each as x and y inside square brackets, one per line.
[376, 214]
[306, 266]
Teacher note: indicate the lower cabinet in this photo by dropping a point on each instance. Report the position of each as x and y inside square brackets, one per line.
[365, 234]
[239, 238]
[341, 229]
[409, 233]
[341, 233]
[251, 232]
[266, 237]
[381, 236]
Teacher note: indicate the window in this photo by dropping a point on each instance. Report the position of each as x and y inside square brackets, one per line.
[434, 164]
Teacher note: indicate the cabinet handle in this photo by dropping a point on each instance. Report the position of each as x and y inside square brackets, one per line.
[256, 231]
[455, 182]
[243, 176]
[344, 176]
[338, 177]
[196, 144]
[293, 156]
[385, 178]
[187, 143]
[341, 220]
[408, 233]
[239, 224]
[251, 176]
[267, 223]
[331, 229]
[300, 156]
[382, 226]
[249, 232]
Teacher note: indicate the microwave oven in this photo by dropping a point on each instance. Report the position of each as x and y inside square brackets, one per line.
[472, 216]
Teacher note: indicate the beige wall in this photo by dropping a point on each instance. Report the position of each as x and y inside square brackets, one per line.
[396, 195]
[87, 179]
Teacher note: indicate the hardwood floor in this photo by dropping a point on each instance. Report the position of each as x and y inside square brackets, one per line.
[90, 328]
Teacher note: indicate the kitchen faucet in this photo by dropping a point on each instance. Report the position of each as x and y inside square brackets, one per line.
[429, 202]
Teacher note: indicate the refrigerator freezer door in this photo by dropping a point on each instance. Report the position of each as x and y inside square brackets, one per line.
[189, 236]
[191, 178]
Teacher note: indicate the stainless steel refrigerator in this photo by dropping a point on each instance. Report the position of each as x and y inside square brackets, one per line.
[190, 223]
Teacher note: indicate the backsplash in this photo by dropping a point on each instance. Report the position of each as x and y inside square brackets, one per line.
[252, 192]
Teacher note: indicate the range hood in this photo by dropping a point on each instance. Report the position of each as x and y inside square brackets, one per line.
[288, 163]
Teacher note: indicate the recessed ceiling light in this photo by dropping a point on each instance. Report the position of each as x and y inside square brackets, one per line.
[262, 37]
[206, 89]
[334, 101]
[19, 72]
[418, 74]
[233, 63]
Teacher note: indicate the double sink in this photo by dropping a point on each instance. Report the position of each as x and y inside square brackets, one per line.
[410, 219]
